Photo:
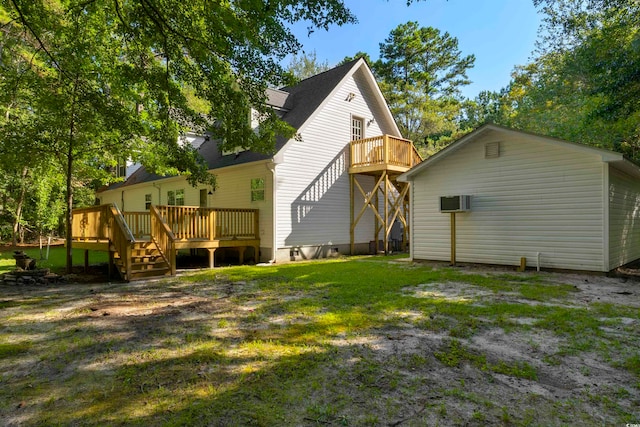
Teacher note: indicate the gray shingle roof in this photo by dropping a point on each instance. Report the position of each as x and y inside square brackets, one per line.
[298, 102]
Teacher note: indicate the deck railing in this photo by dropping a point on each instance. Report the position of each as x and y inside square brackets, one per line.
[192, 222]
[104, 223]
[139, 223]
[163, 237]
[384, 150]
[91, 223]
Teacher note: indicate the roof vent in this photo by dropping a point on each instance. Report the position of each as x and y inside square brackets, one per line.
[492, 150]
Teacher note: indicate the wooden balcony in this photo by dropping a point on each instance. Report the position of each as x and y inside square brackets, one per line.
[371, 156]
[145, 240]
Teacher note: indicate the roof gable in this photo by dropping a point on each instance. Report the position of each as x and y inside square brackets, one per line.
[298, 104]
[607, 156]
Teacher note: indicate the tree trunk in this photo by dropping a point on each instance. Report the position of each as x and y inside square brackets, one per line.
[69, 210]
[69, 194]
[19, 204]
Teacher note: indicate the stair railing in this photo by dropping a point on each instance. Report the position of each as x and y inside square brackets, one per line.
[121, 237]
[164, 238]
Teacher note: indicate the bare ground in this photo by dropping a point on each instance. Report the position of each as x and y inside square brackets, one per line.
[386, 376]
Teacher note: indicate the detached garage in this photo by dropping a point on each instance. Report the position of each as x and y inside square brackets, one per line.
[558, 204]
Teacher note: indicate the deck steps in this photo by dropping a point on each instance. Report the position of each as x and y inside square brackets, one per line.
[145, 261]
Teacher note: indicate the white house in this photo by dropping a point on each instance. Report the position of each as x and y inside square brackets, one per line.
[303, 190]
[568, 205]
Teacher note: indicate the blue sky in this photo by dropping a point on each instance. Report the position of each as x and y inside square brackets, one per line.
[500, 33]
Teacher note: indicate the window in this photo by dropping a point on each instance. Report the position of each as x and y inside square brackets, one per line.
[257, 189]
[175, 198]
[357, 128]
[121, 169]
[203, 198]
[147, 201]
[179, 197]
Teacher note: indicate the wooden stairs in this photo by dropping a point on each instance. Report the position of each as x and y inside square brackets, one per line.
[145, 261]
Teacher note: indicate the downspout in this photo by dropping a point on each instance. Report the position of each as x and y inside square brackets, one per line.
[122, 200]
[159, 187]
[274, 229]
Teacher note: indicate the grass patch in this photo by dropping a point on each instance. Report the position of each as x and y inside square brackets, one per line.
[57, 258]
[454, 354]
[7, 350]
[349, 341]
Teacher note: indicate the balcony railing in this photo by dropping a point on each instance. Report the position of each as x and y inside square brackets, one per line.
[384, 151]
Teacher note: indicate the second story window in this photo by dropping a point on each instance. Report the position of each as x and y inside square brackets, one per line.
[357, 128]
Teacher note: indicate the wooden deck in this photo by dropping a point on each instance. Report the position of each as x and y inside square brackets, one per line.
[384, 158]
[370, 156]
[145, 243]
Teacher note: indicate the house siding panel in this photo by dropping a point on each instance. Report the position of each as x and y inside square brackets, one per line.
[624, 218]
[233, 191]
[313, 201]
[535, 197]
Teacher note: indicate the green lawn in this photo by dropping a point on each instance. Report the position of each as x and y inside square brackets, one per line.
[56, 261]
[352, 341]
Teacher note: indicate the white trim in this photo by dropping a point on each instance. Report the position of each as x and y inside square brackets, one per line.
[606, 155]
[411, 221]
[353, 118]
[381, 98]
[605, 217]
[274, 221]
[329, 97]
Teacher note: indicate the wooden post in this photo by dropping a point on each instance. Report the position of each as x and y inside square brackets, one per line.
[127, 260]
[385, 147]
[212, 224]
[377, 209]
[172, 259]
[211, 256]
[453, 238]
[256, 224]
[110, 267]
[351, 210]
[386, 214]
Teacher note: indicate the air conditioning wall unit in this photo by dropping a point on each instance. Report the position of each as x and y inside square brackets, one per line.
[455, 203]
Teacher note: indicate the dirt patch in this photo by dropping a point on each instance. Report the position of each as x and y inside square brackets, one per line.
[422, 363]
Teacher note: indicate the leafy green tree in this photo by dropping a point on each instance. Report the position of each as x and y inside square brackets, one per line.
[583, 86]
[359, 54]
[421, 71]
[305, 65]
[107, 79]
[486, 107]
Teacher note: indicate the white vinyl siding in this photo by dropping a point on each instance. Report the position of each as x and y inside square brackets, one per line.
[535, 197]
[313, 180]
[624, 218]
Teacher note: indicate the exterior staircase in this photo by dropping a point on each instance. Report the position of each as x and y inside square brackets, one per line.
[145, 260]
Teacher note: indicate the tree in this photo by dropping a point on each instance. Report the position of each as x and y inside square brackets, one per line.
[583, 86]
[358, 55]
[108, 78]
[306, 65]
[421, 72]
[486, 107]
